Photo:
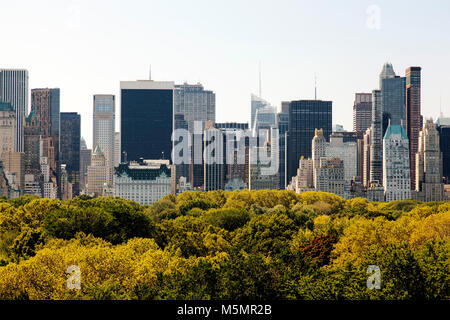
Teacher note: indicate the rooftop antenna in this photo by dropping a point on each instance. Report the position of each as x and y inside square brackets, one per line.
[150, 73]
[260, 79]
[315, 87]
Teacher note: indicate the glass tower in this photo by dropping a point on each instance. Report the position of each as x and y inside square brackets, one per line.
[305, 116]
[146, 119]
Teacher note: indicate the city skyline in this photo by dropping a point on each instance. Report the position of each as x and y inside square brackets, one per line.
[284, 38]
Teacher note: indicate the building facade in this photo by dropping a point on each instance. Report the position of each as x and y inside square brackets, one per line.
[7, 128]
[429, 185]
[376, 140]
[144, 182]
[413, 115]
[45, 103]
[258, 178]
[283, 126]
[117, 156]
[305, 116]
[366, 145]
[13, 167]
[258, 103]
[304, 180]
[85, 162]
[70, 149]
[104, 129]
[443, 125]
[396, 179]
[195, 103]
[393, 100]
[32, 155]
[146, 119]
[362, 113]
[14, 90]
[97, 173]
[214, 165]
[330, 176]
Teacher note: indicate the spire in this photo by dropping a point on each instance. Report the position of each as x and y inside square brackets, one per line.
[150, 73]
[315, 87]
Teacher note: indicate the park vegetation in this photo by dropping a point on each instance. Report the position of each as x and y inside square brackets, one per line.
[224, 245]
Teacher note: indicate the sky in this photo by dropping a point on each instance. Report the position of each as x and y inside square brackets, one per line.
[88, 47]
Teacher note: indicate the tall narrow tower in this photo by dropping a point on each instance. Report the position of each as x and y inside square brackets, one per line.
[14, 90]
[104, 129]
[429, 164]
[413, 117]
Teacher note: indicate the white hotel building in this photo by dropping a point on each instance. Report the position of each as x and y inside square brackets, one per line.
[144, 182]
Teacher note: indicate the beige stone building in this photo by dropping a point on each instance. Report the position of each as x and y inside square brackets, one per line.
[97, 173]
[429, 186]
[7, 127]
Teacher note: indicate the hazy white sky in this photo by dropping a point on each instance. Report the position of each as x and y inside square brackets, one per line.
[88, 47]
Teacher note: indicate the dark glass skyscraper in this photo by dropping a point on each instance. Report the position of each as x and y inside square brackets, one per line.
[146, 119]
[393, 100]
[444, 141]
[70, 148]
[413, 115]
[304, 117]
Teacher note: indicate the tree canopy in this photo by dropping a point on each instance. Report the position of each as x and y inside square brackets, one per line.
[264, 244]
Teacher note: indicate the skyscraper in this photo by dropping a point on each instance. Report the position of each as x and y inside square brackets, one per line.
[265, 118]
[70, 148]
[393, 98]
[376, 140]
[329, 176]
[14, 90]
[32, 154]
[195, 103]
[335, 149]
[257, 103]
[362, 113]
[85, 162]
[193, 108]
[429, 165]
[444, 142]
[366, 143]
[386, 73]
[214, 165]
[117, 157]
[305, 116]
[396, 173]
[45, 104]
[237, 170]
[7, 127]
[347, 152]
[104, 129]
[413, 115]
[258, 180]
[146, 119]
[97, 173]
[283, 125]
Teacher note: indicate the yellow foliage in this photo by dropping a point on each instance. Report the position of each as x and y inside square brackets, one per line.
[362, 234]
